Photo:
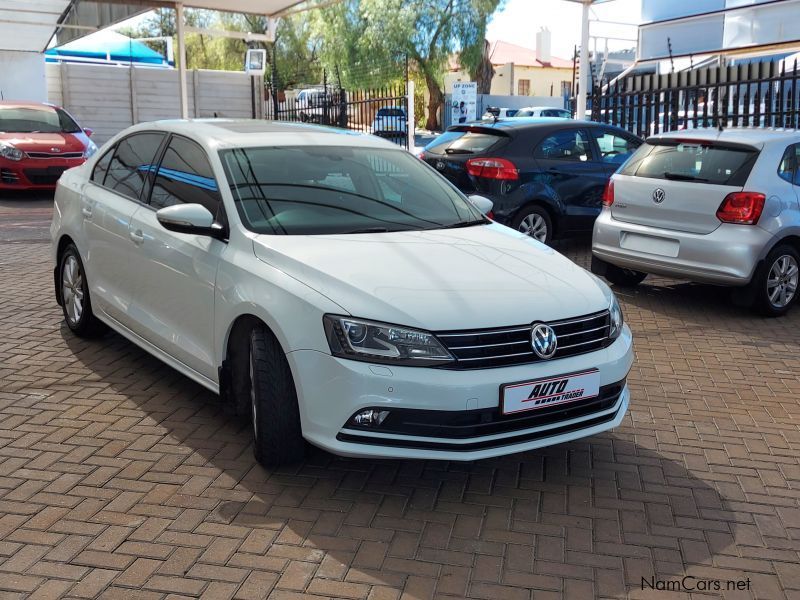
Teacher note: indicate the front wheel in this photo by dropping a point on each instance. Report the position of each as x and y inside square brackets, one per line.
[277, 435]
[535, 222]
[776, 283]
[74, 290]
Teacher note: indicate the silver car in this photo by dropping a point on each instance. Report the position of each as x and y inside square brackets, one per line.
[707, 206]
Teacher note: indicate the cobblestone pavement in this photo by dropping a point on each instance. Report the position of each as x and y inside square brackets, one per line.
[121, 479]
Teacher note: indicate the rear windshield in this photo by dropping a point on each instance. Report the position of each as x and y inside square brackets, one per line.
[463, 142]
[692, 161]
[391, 112]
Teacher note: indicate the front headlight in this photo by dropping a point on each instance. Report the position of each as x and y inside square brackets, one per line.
[8, 151]
[369, 341]
[615, 313]
[90, 150]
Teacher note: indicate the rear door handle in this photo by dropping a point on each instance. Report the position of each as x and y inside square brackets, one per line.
[136, 236]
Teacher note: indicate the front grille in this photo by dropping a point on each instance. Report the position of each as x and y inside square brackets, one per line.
[479, 423]
[55, 154]
[485, 348]
[8, 176]
[46, 176]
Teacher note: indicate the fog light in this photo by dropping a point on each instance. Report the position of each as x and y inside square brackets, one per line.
[370, 417]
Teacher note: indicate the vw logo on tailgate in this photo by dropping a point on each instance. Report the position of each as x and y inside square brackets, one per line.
[658, 195]
[440, 165]
[543, 340]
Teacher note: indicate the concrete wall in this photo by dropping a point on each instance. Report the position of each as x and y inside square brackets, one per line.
[22, 76]
[108, 99]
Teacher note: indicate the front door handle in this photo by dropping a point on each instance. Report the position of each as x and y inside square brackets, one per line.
[136, 236]
[86, 211]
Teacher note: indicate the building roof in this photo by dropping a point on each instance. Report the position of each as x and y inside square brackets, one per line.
[502, 52]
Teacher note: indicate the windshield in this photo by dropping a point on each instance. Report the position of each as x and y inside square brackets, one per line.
[312, 190]
[17, 119]
[391, 112]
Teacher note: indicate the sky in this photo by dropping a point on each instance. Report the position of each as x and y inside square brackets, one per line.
[519, 21]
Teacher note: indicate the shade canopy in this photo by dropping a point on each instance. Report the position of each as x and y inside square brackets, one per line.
[107, 45]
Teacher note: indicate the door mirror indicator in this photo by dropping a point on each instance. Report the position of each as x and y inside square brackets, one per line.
[190, 218]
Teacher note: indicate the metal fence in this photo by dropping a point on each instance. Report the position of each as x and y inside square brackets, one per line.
[760, 94]
[356, 110]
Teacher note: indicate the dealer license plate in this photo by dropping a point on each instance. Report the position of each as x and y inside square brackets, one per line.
[541, 393]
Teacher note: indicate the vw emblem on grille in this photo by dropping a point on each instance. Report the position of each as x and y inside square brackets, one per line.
[543, 340]
[440, 165]
[658, 195]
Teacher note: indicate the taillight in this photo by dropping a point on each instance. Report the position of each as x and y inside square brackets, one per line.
[492, 168]
[490, 215]
[608, 193]
[742, 208]
[421, 155]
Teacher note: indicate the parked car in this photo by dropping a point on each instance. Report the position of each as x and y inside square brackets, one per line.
[543, 111]
[336, 290]
[707, 206]
[38, 142]
[545, 176]
[312, 104]
[390, 121]
[495, 112]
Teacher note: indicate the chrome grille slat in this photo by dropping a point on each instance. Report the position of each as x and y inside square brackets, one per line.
[485, 348]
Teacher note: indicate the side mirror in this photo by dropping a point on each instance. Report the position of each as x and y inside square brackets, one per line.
[189, 218]
[88, 131]
[482, 203]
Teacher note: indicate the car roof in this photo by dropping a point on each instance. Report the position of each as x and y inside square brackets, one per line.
[26, 104]
[740, 135]
[255, 132]
[518, 124]
[542, 108]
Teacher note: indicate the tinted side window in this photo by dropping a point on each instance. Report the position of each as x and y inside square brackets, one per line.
[185, 176]
[614, 148]
[132, 163]
[568, 144]
[101, 167]
[788, 167]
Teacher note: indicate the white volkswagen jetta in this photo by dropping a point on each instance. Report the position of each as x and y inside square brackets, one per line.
[338, 290]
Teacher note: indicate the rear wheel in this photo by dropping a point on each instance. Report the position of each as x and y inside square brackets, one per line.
[277, 436]
[75, 301]
[535, 222]
[624, 277]
[776, 283]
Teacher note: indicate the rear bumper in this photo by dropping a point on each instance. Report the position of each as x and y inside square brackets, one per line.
[726, 256]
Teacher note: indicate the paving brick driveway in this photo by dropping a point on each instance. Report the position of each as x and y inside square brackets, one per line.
[121, 479]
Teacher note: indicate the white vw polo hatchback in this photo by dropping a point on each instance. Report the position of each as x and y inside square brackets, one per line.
[336, 290]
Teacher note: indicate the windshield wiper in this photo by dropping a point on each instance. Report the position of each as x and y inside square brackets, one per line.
[682, 177]
[461, 224]
[368, 230]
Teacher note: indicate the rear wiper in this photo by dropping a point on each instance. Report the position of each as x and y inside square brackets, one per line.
[681, 177]
[456, 151]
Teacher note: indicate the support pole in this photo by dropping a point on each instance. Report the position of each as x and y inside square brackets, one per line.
[179, 22]
[583, 69]
[411, 119]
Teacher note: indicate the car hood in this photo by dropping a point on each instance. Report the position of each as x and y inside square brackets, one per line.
[475, 277]
[45, 142]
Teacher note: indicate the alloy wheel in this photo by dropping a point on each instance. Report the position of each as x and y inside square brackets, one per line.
[535, 226]
[782, 281]
[72, 289]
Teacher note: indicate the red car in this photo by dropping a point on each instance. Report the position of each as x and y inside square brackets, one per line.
[38, 142]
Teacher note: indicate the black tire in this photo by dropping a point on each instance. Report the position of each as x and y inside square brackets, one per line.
[769, 277]
[277, 435]
[74, 293]
[536, 222]
[624, 277]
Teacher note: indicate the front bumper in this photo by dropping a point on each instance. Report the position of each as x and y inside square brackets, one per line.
[726, 256]
[34, 174]
[330, 390]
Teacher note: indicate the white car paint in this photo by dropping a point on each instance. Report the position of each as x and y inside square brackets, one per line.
[177, 296]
